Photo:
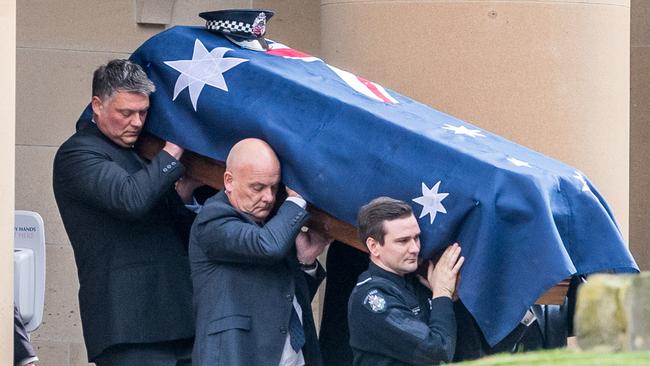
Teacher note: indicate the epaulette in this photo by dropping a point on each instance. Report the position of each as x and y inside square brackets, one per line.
[364, 281]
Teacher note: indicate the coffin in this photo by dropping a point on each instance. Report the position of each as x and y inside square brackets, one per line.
[525, 221]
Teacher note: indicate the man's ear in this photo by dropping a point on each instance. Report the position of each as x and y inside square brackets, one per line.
[373, 246]
[227, 181]
[96, 105]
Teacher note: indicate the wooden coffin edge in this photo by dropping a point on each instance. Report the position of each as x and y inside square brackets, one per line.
[210, 172]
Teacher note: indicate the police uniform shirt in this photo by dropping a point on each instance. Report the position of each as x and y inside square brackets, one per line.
[394, 321]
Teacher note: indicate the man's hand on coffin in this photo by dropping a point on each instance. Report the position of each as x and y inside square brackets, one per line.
[454, 297]
[443, 276]
[425, 283]
[310, 244]
[292, 193]
[185, 187]
[173, 150]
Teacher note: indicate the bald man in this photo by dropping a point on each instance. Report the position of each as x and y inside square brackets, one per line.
[254, 274]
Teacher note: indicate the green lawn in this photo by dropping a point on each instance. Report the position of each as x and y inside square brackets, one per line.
[565, 358]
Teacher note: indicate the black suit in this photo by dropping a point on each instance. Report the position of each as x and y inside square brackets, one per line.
[245, 277]
[128, 230]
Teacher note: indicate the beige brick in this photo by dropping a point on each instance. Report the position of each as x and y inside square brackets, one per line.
[53, 87]
[61, 320]
[154, 11]
[80, 25]
[107, 26]
[640, 156]
[186, 11]
[34, 189]
[319, 298]
[640, 16]
[52, 352]
[295, 23]
[78, 355]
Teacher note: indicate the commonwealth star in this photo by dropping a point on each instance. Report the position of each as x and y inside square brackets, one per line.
[204, 68]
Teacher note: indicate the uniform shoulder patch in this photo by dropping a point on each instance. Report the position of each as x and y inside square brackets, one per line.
[375, 301]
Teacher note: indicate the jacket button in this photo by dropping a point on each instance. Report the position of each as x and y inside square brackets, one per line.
[169, 166]
[173, 163]
[283, 330]
[165, 170]
[289, 297]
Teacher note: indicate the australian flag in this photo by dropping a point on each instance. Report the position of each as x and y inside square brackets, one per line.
[525, 221]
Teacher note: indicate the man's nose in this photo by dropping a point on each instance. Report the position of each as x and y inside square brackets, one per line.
[137, 120]
[414, 247]
[268, 195]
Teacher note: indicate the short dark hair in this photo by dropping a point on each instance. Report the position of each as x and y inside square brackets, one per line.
[370, 220]
[121, 75]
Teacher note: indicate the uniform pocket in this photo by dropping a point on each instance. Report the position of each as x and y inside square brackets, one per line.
[242, 322]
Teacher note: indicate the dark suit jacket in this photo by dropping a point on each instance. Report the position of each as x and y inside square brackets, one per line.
[129, 232]
[22, 348]
[245, 277]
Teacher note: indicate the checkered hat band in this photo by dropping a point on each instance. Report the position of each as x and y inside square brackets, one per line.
[229, 26]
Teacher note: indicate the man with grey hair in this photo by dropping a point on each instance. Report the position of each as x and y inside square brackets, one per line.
[128, 226]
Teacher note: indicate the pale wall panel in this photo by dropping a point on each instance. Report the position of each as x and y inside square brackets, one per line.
[34, 189]
[553, 75]
[296, 23]
[106, 26]
[640, 27]
[78, 355]
[185, 11]
[7, 137]
[80, 25]
[53, 87]
[640, 134]
[640, 156]
[52, 352]
[61, 321]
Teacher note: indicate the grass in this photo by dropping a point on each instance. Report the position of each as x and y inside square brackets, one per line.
[564, 358]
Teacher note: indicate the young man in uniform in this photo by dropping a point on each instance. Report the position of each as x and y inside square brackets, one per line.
[396, 317]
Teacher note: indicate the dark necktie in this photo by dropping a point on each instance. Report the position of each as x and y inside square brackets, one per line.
[296, 333]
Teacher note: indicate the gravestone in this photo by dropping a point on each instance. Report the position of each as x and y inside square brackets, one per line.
[613, 313]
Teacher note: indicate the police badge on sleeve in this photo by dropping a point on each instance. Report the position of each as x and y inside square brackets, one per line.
[375, 301]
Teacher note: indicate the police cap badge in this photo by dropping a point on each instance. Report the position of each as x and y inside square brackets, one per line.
[245, 27]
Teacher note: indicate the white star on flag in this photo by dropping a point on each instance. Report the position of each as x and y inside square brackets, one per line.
[431, 201]
[204, 68]
[581, 178]
[517, 162]
[462, 130]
